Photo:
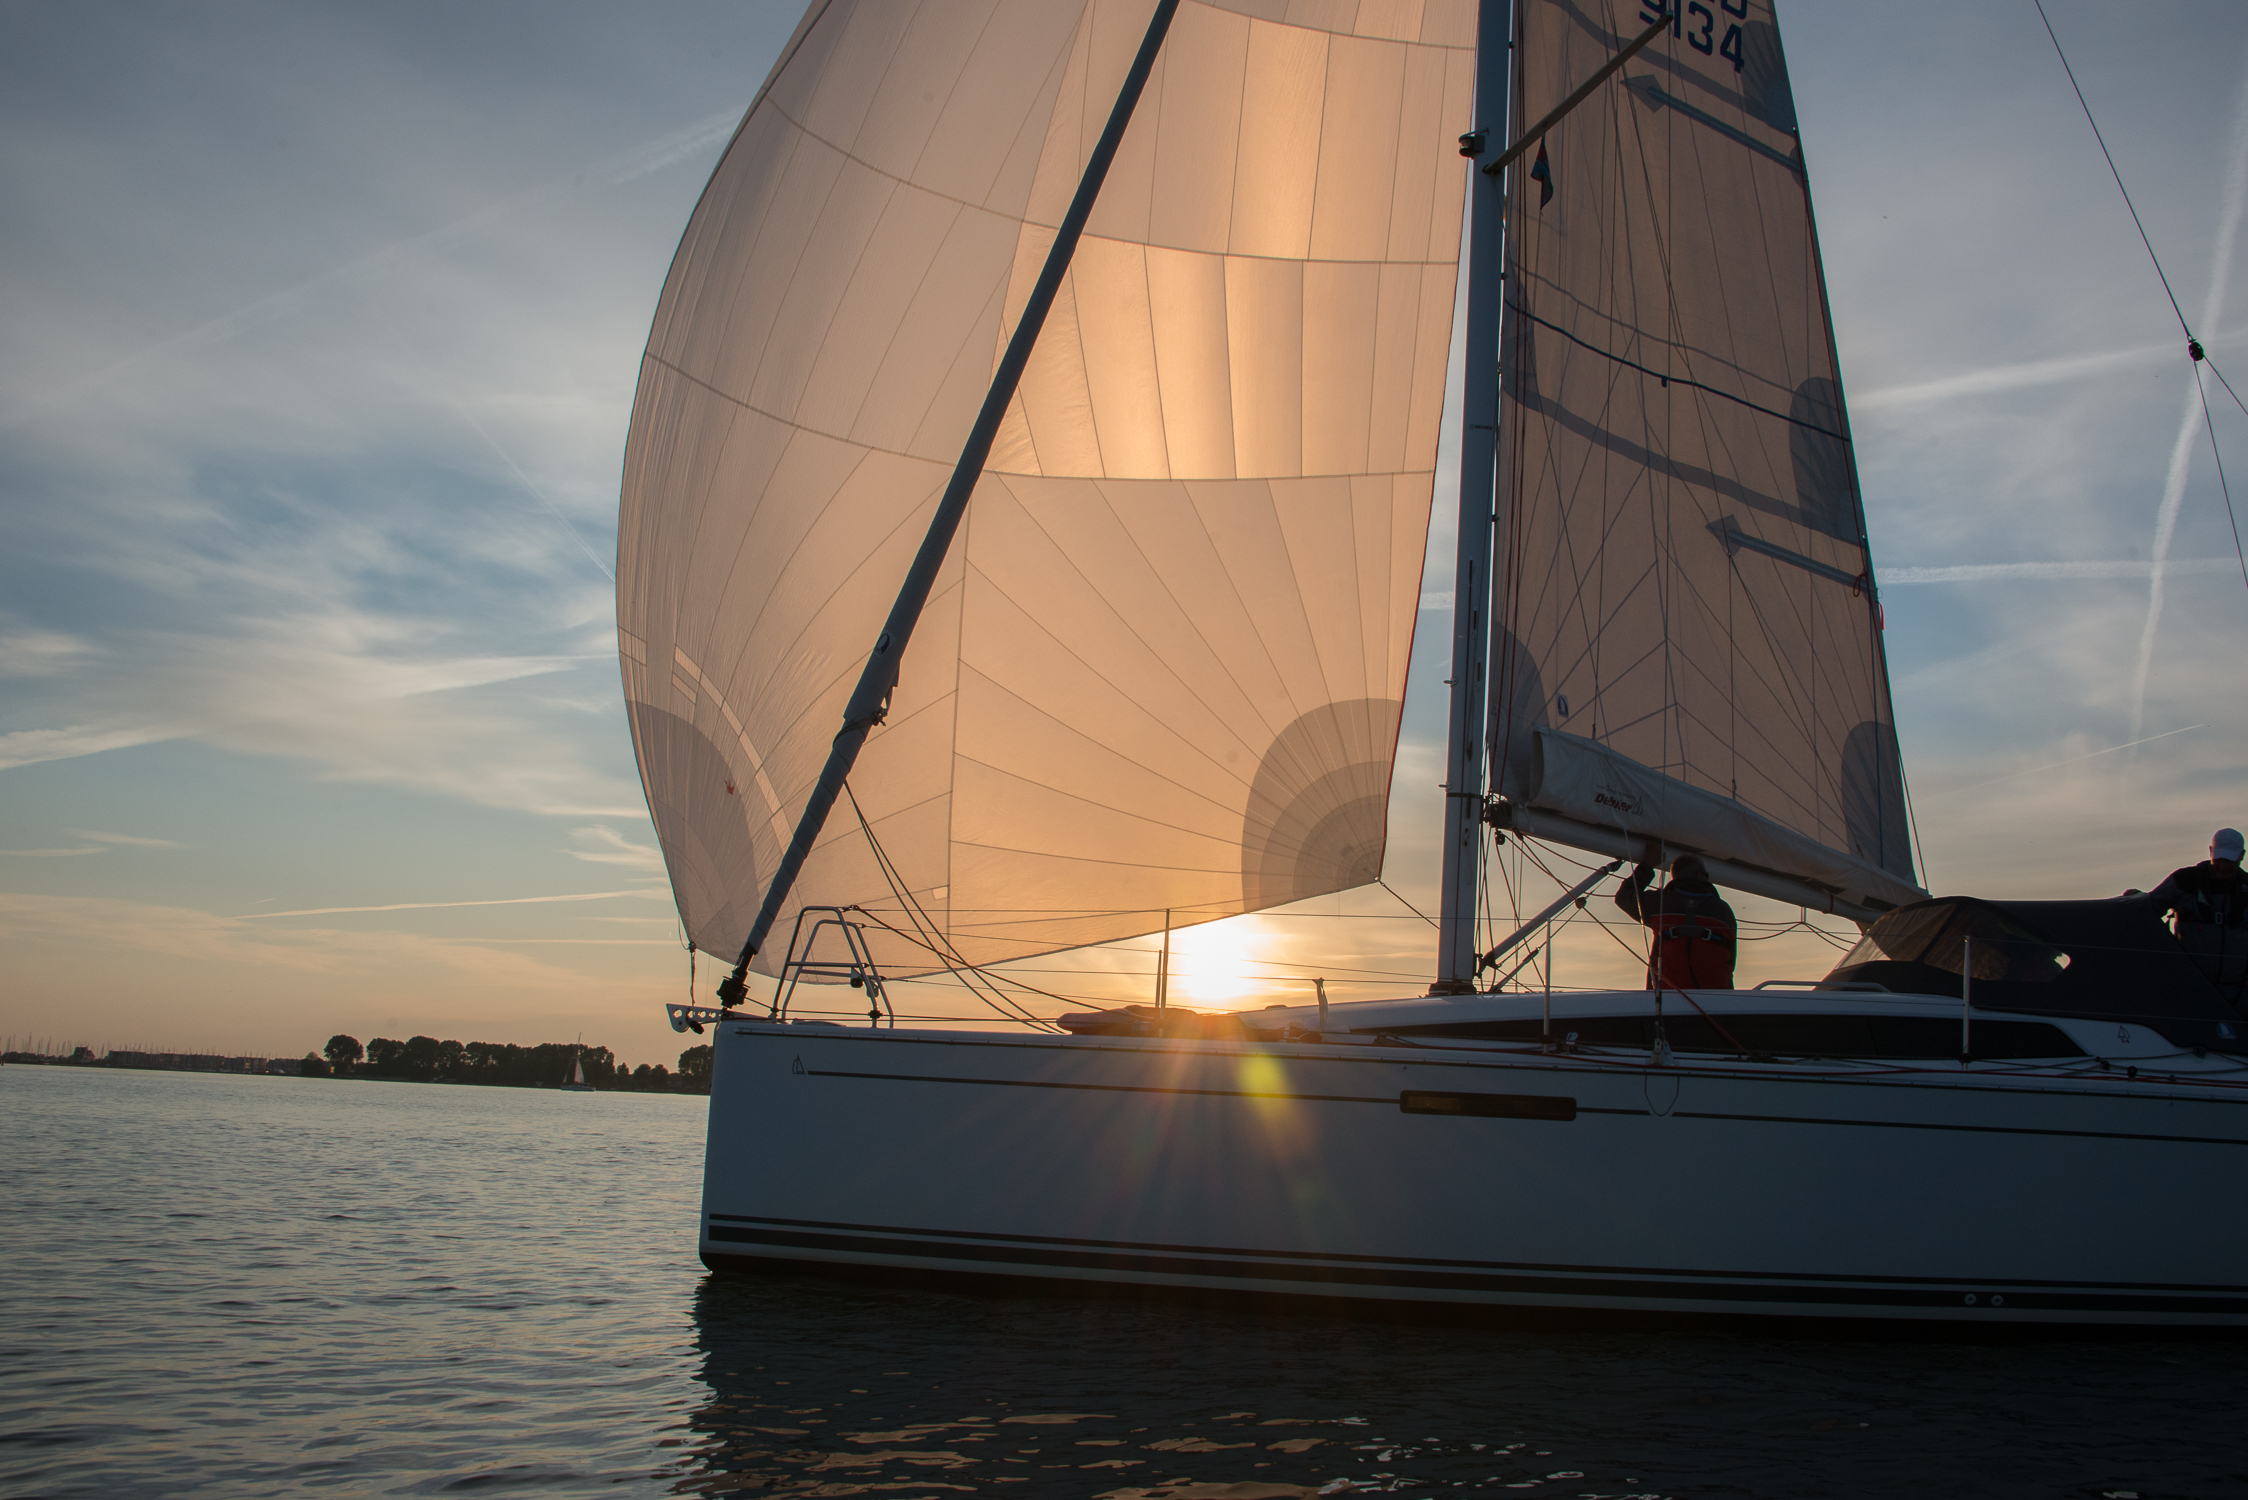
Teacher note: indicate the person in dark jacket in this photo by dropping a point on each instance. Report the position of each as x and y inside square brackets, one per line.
[2209, 904]
[1695, 934]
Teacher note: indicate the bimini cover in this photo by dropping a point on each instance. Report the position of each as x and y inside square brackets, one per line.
[1689, 641]
[2102, 960]
[1163, 667]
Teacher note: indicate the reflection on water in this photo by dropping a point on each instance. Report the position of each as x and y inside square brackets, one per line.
[279, 1287]
[824, 1388]
[851, 1390]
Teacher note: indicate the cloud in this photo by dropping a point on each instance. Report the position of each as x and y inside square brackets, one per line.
[77, 969]
[53, 853]
[530, 486]
[128, 840]
[605, 846]
[345, 514]
[26, 747]
[670, 149]
[368, 696]
[40, 653]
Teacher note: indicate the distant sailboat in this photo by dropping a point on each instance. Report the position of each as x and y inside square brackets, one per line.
[577, 1083]
[1166, 287]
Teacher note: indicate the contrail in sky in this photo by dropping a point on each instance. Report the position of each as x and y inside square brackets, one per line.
[515, 468]
[2034, 372]
[2125, 567]
[2181, 452]
[330, 911]
[2072, 760]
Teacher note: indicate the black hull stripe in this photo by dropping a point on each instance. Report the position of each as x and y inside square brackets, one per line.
[1303, 1276]
[1582, 1109]
[2088, 1135]
[1955, 1283]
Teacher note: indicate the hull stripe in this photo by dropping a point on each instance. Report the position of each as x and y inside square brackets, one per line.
[1747, 1289]
[2007, 1284]
[2088, 1135]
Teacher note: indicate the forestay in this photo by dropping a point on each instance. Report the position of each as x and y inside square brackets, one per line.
[1163, 667]
[1689, 642]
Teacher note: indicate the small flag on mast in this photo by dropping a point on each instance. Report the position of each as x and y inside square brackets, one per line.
[1541, 172]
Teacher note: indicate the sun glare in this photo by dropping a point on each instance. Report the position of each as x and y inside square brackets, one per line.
[1217, 963]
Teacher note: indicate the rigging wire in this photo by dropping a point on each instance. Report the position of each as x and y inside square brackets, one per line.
[932, 937]
[2201, 353]
[2112, 172]
[1401, 901]
[960, 968]
[2222, 484]
[2194, 347]
[679, 925]
[1658, 985]
[2212, 364]
[1800, 923]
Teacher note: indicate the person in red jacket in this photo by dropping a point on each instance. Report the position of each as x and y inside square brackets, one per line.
[1695, 934]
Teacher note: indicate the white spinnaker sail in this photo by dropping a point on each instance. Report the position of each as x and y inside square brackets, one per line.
[1689, 645]
[1164, 666]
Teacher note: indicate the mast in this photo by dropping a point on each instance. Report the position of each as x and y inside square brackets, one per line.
[1479, 451]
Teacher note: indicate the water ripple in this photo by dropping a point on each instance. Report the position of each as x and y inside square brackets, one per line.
[264, 1287]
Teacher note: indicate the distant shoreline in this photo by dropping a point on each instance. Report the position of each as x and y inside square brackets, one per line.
[420, 1060]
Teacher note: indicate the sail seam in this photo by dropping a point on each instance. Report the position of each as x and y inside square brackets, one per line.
[921, 458]
[1120, 810]
[1023, 216]
[1169, 668]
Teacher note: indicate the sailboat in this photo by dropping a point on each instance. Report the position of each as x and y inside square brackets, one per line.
[577, 1083]
[1023, 521]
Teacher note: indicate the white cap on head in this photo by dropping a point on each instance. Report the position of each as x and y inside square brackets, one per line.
[2226, 844]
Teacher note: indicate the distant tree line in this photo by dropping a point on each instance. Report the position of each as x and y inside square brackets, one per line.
[424, 1059]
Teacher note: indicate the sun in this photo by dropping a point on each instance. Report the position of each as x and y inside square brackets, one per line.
[1217, 963]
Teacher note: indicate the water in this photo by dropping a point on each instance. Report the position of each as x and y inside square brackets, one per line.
[267, 1286]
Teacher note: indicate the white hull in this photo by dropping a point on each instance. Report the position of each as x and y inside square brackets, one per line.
[1984, 1193]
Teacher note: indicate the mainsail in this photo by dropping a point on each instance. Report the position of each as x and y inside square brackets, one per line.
[1163, 668]
[1687, 648]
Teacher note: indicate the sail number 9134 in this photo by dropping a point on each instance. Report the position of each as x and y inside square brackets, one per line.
[1697, 23]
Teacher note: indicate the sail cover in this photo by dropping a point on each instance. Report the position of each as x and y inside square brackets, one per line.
[1688, 644]
[1162, 670]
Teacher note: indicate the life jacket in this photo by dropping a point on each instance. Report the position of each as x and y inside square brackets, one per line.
[2212, 922]
[2211, 895]
[1695, 937]
[2219, 952]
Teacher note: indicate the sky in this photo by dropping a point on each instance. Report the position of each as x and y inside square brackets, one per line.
[323, 324]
